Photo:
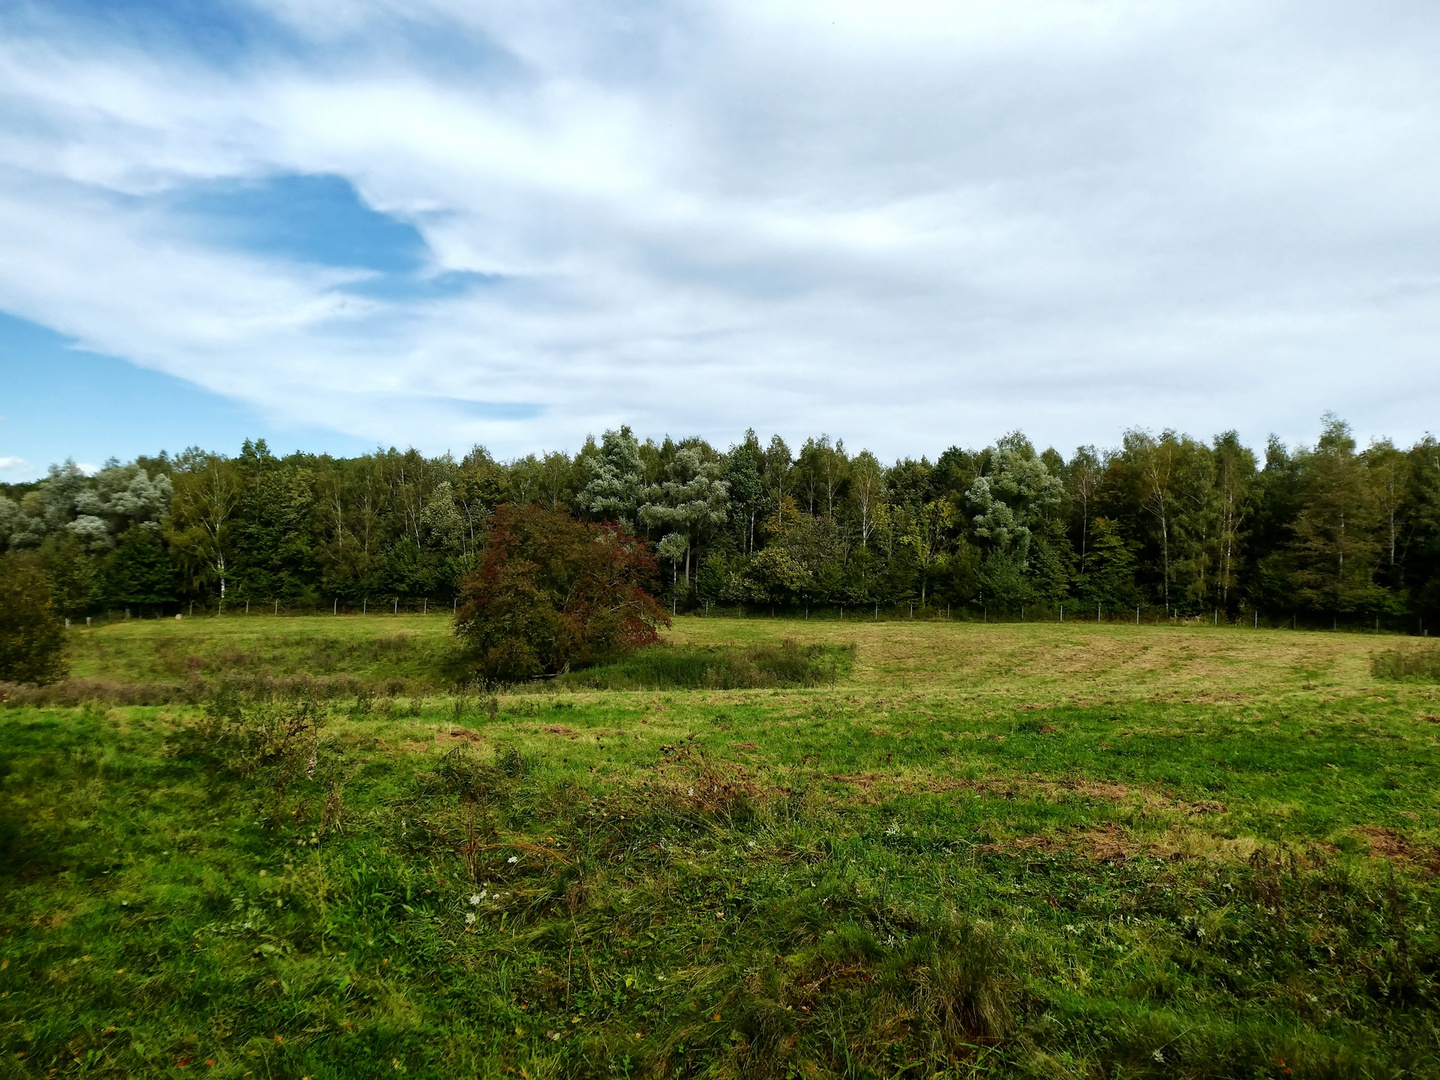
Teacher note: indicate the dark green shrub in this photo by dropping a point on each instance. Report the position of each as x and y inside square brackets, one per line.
[32, 635]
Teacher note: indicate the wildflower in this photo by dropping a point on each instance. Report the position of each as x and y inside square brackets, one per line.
[475, 899]
[513, 859]
[469, 918]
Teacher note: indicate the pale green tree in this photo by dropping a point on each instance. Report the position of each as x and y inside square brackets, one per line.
[207, 491]
[614, 480]
[691, 502]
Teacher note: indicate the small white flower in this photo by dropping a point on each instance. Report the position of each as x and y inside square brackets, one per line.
[474, 899]
[513, 859]
[469, 918]
[690, 791]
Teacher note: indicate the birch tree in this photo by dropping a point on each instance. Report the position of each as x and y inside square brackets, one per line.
[206, 493]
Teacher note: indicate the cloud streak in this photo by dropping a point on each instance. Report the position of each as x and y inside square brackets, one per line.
[909, 228]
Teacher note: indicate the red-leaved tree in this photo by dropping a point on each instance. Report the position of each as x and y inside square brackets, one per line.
[551, 592]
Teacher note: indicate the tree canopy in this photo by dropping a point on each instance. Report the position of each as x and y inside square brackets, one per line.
[1333, 531]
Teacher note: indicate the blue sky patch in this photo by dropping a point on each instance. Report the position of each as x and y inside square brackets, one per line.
[61, 402]
[217, 31]
[312, 219]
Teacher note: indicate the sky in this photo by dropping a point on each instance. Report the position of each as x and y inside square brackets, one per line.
[337, 224]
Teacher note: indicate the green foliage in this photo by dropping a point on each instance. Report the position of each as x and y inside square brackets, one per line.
[551, 592]
[139, 570]
[1109, 576]
[32, 635]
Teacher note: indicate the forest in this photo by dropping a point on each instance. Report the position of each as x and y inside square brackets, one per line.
[1331, 535]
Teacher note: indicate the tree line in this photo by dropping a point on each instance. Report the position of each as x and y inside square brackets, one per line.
[1331, 532]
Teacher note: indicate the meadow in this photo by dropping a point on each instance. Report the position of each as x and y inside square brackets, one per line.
[298, 847]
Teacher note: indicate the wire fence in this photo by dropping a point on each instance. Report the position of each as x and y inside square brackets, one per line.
[866, 611]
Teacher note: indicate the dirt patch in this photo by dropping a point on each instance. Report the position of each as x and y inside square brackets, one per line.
[1106, 843]
[458, 734]
[1389, 844]
[559, 729]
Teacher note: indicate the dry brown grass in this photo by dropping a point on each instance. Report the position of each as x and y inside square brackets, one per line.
[1075, 663]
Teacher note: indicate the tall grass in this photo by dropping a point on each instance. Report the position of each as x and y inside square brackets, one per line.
[1419, 664]
[762, 666]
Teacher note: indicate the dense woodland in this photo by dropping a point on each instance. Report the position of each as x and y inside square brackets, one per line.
[1329, 535]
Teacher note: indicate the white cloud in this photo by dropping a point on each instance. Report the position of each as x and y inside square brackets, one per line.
[14, 464]
[908, 226]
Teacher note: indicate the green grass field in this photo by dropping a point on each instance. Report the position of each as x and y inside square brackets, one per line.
[967, 850]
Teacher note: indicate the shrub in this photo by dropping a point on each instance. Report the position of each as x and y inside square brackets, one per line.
[32, 635]
[552, 592]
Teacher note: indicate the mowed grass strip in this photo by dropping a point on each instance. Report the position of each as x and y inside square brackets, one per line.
[955, 861]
